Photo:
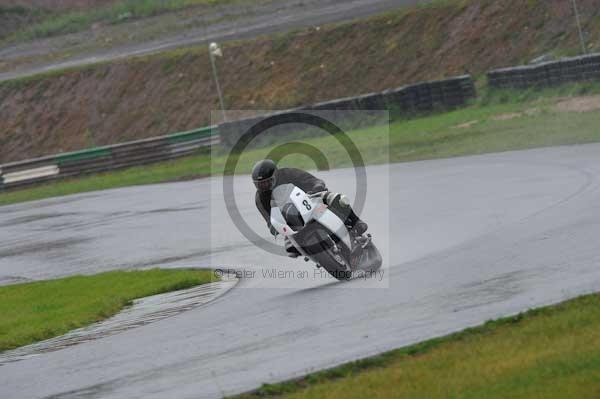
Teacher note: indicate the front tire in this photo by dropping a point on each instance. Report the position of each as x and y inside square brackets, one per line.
[327, 260]
[317, 243]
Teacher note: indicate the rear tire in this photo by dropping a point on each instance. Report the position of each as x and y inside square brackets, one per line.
[370, 258]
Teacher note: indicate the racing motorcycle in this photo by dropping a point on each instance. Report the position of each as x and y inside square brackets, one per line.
[320, 235]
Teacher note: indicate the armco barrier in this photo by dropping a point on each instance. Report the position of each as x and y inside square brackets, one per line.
[417, 98]
[111, 157]
[575, 69]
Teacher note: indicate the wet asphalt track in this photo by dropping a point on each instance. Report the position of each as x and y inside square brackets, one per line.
[470, 239]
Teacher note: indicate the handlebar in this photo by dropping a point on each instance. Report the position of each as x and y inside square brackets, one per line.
[317, 194]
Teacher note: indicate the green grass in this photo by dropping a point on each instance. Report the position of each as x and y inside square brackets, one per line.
[537, 124]
[56, 23]
[36, 311]
[550, 353]
[18, 10]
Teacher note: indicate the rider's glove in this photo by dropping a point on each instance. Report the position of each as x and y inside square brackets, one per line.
[319, 187]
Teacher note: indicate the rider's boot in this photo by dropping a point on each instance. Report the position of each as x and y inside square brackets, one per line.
[291, 251]
[360, 227]
[357, 226]
[340, 205]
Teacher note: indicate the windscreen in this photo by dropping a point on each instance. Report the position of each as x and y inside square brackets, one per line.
[281, 195]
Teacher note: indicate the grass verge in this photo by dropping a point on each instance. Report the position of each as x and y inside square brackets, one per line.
[56, 23]
[553, 352]
[40, 310]
[498, 121]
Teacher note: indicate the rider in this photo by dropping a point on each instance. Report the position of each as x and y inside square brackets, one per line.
[267, 176]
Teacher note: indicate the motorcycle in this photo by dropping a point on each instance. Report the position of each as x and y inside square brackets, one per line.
[320, 235]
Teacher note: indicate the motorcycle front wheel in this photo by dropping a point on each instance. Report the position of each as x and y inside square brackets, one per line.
[319, 246]
[334, 263]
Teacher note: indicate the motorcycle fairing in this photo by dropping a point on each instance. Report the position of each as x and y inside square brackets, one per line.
[331, 222]
[309, 208]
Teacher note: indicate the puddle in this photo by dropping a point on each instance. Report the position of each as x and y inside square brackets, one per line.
[497, 289]
[43, 246]
[34, 218]
[143, 311]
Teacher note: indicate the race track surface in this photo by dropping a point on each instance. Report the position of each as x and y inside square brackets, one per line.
[465, 240]
[233, 22]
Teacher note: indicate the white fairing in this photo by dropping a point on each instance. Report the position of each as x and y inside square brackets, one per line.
[333, 223]
[278, 221]
[310, 209]
[303, 203]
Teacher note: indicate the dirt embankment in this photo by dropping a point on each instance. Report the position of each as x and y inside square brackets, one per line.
[174, 91]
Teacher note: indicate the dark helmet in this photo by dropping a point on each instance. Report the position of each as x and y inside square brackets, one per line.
[264, 175]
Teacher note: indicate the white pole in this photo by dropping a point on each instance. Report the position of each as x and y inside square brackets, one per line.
[583, 47]
[216, 78]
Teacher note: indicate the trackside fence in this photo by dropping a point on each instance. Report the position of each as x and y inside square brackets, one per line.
[418, 98]
[547, 74]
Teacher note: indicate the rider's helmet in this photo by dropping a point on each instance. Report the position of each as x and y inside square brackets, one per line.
[264, 175]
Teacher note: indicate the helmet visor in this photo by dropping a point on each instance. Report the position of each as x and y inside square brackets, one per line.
[265, 184]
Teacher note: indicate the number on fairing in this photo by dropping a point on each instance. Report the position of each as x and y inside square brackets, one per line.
[307, 205]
